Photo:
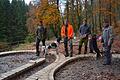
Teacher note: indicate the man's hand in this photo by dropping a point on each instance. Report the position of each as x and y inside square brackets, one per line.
[83, 36]
[63, 36]
[109, 43]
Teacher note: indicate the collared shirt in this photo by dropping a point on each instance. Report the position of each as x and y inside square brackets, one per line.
[84, 29]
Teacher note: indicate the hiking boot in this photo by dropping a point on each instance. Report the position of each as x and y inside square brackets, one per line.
[79, 50]
[79, 53]
[106, 63]
[38, 53]
[91, 52]
[85, 52]
[66, 55]
[71, 55]
[98, 56]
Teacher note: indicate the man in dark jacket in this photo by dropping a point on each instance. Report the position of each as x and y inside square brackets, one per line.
[40, 36]
[84, 31]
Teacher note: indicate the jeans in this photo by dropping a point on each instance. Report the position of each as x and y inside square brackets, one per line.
[66, 42]
[107, 54]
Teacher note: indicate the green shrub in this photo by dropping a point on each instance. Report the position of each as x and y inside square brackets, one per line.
[30, 38]
[4, 46]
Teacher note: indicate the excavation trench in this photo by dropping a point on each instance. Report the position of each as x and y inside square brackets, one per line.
[10, 62]
[49, 59]
[89, 69]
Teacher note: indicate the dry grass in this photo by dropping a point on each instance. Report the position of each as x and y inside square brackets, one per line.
[26, 46]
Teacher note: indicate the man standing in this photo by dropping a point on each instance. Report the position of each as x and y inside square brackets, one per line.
[107, 40]
[84, 31]
[67, 34]
[40, 36]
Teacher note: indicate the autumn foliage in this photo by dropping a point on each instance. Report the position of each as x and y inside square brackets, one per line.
[45, 11]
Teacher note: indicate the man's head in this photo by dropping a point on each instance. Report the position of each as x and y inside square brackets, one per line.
[63, 22]
[106, 23]
[66, 23]
[41, 23]
[84, 21]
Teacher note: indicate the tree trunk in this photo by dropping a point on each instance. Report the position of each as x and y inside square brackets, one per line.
[67, 7]
[86, 9]
[92, 16]
[100, 15]
[110, 10]
[73, 13]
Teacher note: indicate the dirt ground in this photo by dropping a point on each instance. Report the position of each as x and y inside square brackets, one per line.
[89, 69]
[10, 62]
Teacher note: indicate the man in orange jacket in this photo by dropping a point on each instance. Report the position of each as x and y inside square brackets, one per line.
[67, 34]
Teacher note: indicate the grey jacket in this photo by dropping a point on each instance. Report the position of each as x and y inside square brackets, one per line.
[107, 36]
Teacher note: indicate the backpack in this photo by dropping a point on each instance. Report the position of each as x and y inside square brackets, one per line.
[41, 33]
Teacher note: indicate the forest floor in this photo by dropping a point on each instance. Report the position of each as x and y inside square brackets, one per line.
[31, 46]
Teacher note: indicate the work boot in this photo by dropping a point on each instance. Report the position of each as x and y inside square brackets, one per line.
[106, 63]
[79, 50]
[66, 55]
[79, 53]
[85, 52]
[98, 56]
[71, 54]
[38, 53]
[91, 51]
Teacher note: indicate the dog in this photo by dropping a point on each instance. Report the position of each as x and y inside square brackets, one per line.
[53, 45]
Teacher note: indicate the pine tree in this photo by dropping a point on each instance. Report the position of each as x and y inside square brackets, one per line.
[4, 20]
[19, 9]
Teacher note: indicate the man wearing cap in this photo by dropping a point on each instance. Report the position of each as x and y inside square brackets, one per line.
[107, 40]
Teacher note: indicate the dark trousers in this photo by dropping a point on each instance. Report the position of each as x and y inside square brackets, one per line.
[107, 54]
[38, 43]
[93, 46]
[66, 41]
